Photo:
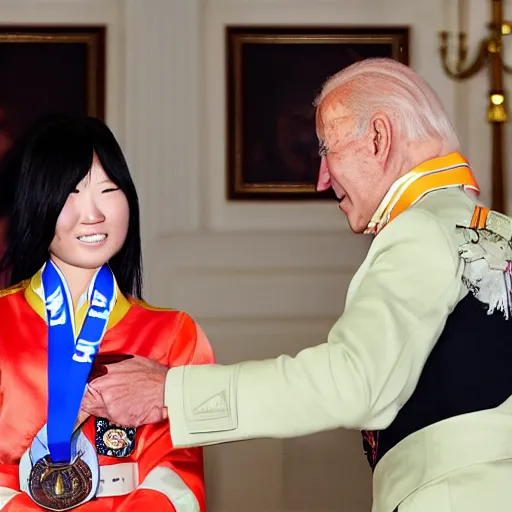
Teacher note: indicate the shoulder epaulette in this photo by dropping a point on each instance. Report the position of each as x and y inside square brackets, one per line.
[487, 254]
[145, 305]
[14, 289]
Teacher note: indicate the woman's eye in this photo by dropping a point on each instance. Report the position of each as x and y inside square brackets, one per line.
[75, 191]
[107, 190]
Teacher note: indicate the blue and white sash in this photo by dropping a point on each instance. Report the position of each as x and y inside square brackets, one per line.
[70, 359]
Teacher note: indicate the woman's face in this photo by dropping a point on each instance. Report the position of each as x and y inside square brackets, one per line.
[93, 223]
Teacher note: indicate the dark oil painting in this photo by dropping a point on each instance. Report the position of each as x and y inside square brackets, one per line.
[273, 77]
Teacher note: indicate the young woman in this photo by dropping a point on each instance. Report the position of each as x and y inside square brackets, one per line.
[74, 261]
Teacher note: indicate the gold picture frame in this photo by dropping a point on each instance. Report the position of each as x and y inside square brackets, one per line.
[273, 77]
[49, 70]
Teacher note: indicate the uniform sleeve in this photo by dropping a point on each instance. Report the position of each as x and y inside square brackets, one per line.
[11, 499]
[360, 377]
[167, 472]
[14, 501]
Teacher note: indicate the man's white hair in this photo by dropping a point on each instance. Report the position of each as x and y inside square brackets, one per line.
[385, 85]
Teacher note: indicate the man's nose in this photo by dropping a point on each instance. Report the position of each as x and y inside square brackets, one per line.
[324, 178]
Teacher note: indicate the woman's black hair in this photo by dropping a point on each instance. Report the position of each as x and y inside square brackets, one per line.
[54, 160]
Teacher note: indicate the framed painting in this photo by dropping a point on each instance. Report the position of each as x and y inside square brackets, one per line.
[273, 77]
[49, 71]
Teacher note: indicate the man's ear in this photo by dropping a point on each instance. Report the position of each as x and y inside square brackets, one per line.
[381, 133]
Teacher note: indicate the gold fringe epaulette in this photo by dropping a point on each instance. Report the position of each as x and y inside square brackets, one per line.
[487, 255]
[14, 289]
[145, 305]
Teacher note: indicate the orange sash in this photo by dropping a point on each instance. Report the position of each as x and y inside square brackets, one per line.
[448, 171]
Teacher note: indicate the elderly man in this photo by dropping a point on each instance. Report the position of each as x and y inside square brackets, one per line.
[420, 360]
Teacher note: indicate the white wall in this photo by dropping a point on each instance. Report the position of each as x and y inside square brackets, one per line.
[261, 279]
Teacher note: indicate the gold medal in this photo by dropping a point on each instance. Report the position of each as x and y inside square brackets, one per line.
[60, 486]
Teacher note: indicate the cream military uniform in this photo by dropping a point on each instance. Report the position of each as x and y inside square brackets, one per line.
[435, 283]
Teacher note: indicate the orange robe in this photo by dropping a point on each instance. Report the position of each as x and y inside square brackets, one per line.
[170, 479]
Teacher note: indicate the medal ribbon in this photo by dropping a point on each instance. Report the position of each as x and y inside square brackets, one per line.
[448, 171]
[70, 358]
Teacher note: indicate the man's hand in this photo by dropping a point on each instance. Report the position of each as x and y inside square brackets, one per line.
[130, 394]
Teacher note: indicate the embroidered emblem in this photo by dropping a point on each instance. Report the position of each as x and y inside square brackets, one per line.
[371, 446]
[487, 254]
[112, 440]
[214, 405]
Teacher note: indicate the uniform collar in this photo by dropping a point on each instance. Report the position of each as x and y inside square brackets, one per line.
[35, 297]
[448, 171]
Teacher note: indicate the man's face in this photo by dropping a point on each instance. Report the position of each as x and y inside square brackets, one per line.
[350, 166]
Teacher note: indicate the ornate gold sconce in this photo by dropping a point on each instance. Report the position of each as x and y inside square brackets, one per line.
[490, 54]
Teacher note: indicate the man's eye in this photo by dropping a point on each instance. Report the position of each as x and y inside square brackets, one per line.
[322, 148]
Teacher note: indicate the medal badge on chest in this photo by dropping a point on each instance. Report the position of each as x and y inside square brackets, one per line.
[60, 471]
[113, 440]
